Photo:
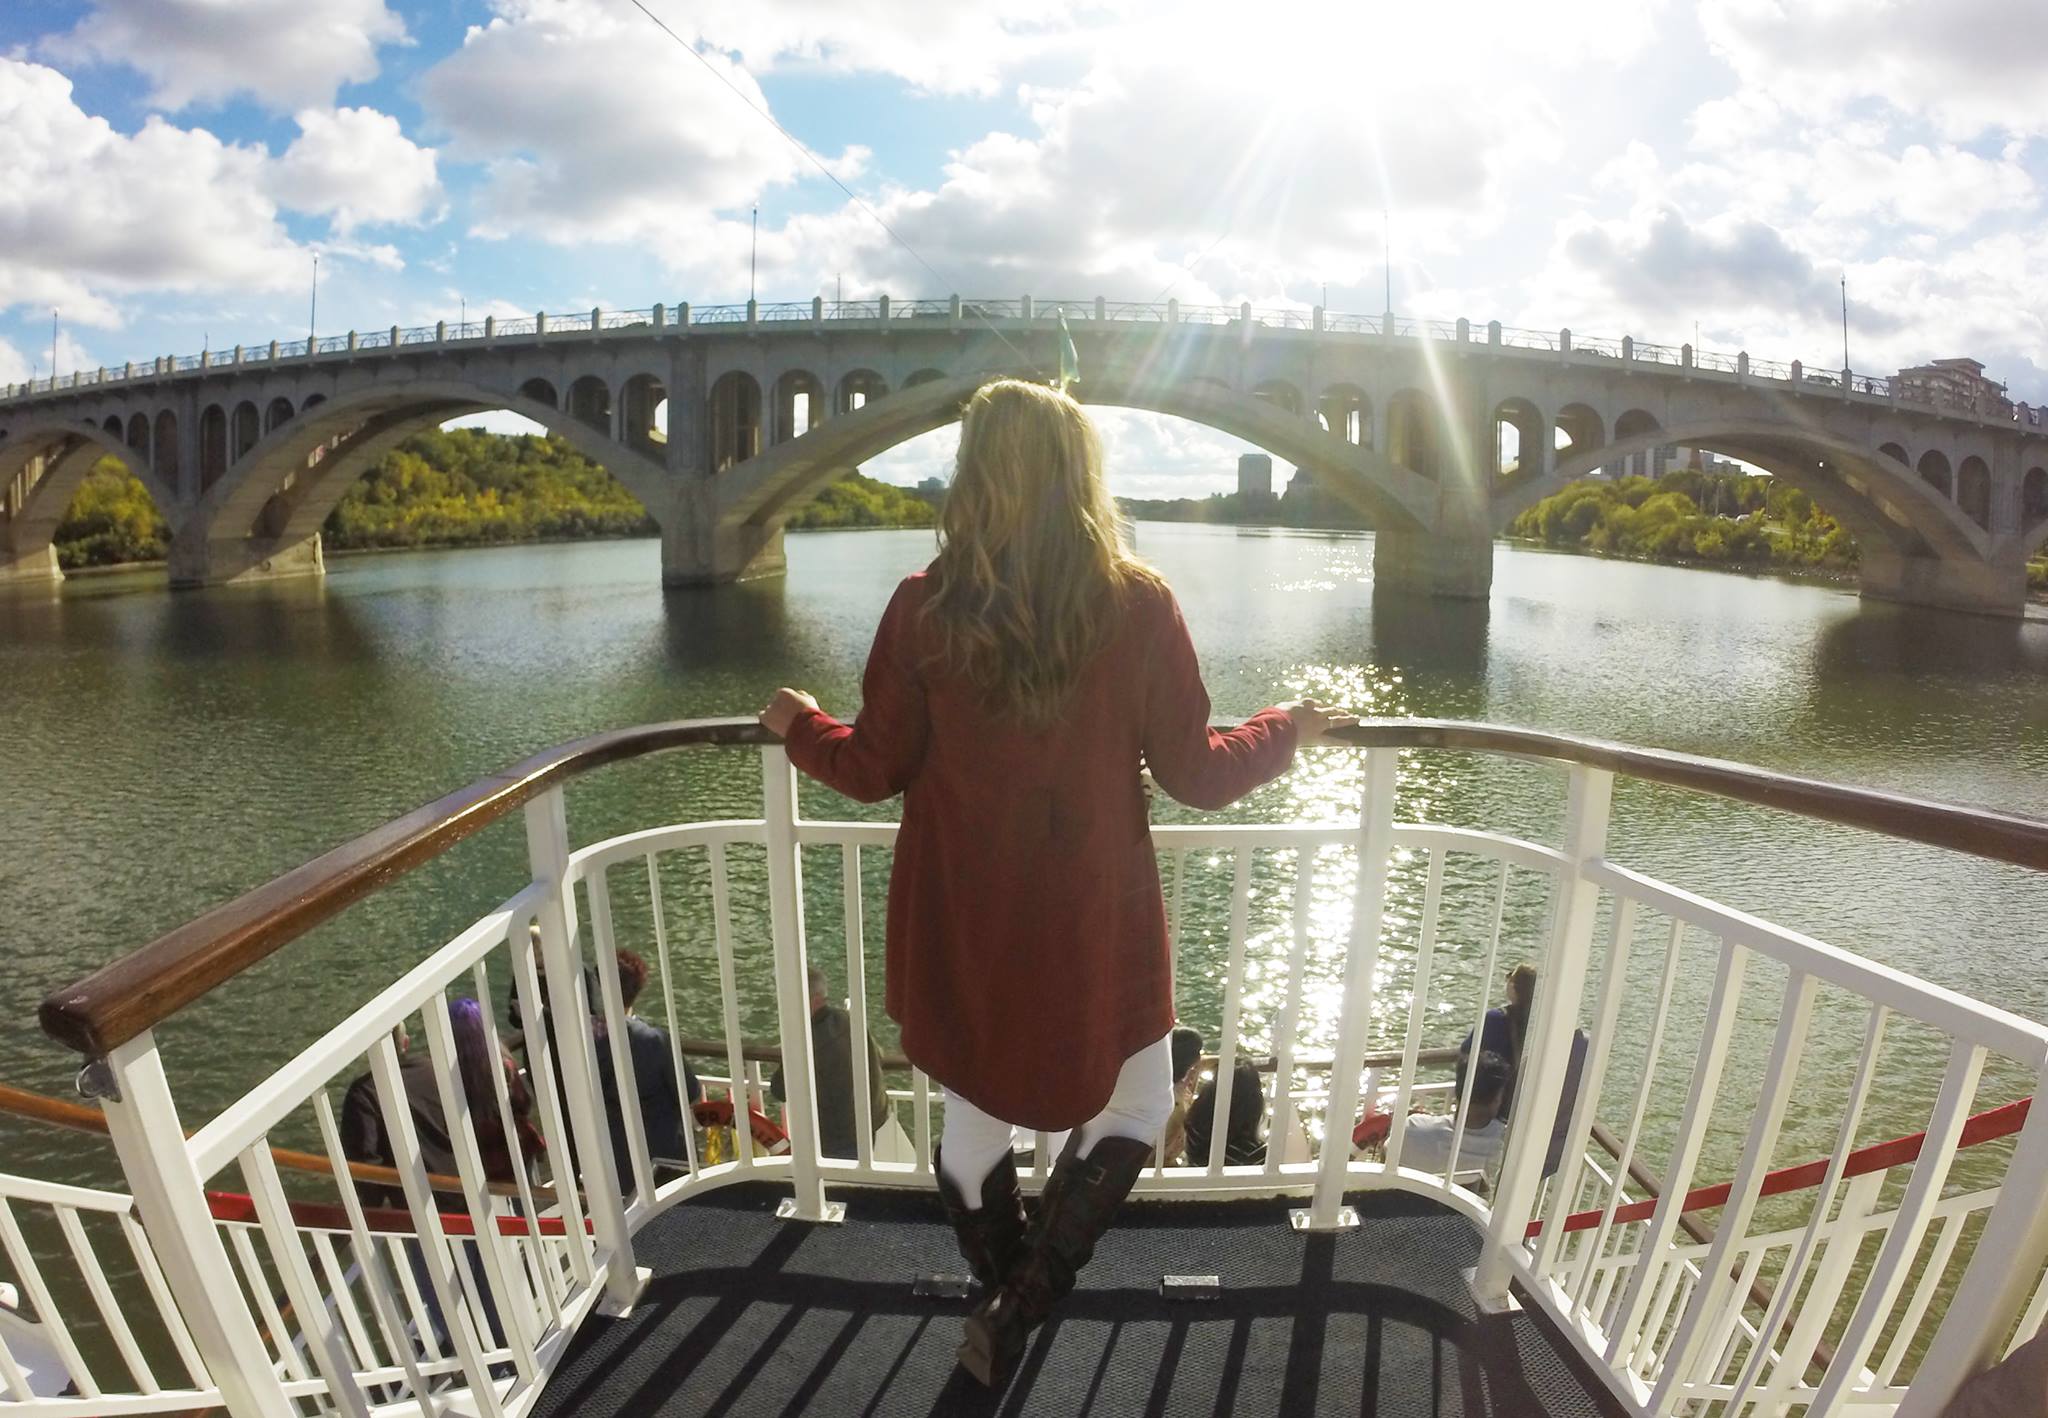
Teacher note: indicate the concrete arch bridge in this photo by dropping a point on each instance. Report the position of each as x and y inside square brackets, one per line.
[724, 420]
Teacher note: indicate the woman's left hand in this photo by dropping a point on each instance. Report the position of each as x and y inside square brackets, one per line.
[783, 709]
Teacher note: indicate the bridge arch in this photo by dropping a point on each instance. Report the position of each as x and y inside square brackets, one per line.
[163, 448]
[1973, 490]
[1934, 471]
[858, 389]
[67, 452]
[762, 492]
[112, 425]
[1346, 412]
[1532, 439]
[733, 427]
[1416, 436]
[643, 407]
[248, 428]
[2034, 511]
[1280, 394]
[1579, 431]
[590, 402]
[1884, 503]
[138, 435]
[278, 414]
[280, 494]
[799, 403]
[213, 445]
[540, 391]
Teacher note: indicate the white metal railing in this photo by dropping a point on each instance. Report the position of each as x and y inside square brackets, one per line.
[679, 319]
[1904, 1275]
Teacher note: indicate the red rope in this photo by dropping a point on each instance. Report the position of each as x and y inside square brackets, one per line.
[389, 1221]
[1879, 1156]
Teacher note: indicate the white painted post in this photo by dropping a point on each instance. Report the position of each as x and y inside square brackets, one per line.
[1326, 1210]
[1553, 1016]
[793, 992]
[547, 848]
[170, 1199]
[2002, 1269]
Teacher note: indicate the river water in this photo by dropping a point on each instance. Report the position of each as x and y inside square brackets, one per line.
[164, 752]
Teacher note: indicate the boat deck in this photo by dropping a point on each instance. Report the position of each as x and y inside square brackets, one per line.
[747, 1314]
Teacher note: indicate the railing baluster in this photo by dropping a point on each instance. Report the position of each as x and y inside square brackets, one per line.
[103, 1296]
[514, 1313]
[399, 1264]
[1500, 910]
[1673, 949]
[1418, 1005]
[1923, 1294]
[23, 1260]
[1692, 1128]
[363, 1354]
[547, 848]
[668, 1003]
[501, 1089]
[857, 1005]
[625, 1085]
[279, 1335]
[1546, 1055]
[729, 1004]
[1930, 1171]
[1817, 1307]
[1564, 1196]
[1326, 1211]
[792, 992]
[545, 1074]
[373, 1262]
[2002, 1266]
[1233, 997]
[170, 1201]
[441, 1263]
[166, 1307]
[1284, 1110]
[1795, 1012]
[1794, 1273]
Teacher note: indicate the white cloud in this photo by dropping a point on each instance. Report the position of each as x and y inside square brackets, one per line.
[1966, 65]
[591, 127]
[357, 165]
[89, 215]
[285, 54]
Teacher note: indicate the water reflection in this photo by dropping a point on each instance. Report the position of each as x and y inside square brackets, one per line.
[1433, 636]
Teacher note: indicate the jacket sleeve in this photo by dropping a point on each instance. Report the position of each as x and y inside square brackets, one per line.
[876, 757]
[1195, 763]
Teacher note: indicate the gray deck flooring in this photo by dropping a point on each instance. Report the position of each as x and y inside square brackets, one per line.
[750, 1315]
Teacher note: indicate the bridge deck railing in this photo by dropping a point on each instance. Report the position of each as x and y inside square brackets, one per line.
[680, 318]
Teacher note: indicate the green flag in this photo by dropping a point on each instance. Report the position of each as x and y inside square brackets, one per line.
[1070, 359]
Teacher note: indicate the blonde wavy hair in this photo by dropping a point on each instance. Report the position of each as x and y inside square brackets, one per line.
[1032, 574]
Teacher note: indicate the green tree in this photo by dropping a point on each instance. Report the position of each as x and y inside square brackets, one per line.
[111, 519]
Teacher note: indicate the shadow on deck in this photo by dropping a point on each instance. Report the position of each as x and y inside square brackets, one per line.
[750, 1315]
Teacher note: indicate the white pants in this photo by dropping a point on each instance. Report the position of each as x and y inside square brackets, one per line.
[1138, 1108]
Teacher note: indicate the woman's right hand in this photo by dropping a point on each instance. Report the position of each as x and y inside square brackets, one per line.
[1312, 722]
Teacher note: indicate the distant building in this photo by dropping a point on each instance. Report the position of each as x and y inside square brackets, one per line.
[931, 487]
[1255, 476]
[1656, 462]
[1953, 383]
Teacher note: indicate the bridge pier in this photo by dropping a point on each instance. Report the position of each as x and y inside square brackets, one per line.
[30, 568]
[1951, 584]
[197, 560]
[700, 547]
[1459, 566]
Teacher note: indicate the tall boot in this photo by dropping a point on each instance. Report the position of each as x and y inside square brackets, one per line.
[1080, 1198]
[991, 1238]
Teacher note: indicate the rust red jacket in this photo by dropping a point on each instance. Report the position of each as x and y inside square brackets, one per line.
[1027, 946]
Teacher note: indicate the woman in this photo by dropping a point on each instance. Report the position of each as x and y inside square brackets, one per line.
[1014, 689]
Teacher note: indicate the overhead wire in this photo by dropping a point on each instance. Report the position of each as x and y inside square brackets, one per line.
[831, 176]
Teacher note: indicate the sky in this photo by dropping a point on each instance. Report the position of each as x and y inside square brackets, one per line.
[170, 169]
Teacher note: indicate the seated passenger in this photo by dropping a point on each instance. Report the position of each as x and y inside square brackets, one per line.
[654, 1078]
[1245, 1143]
[1187, 1058]
[1426, 1137]
[832, 1067]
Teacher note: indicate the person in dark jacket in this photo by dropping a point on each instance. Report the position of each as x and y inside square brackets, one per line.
[654, 1078]
[832, 1066]
[1244, 1145]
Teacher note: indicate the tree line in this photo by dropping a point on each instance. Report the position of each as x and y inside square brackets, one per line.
[1690, 516]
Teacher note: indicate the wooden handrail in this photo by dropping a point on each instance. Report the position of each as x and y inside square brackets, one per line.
[129, 995]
